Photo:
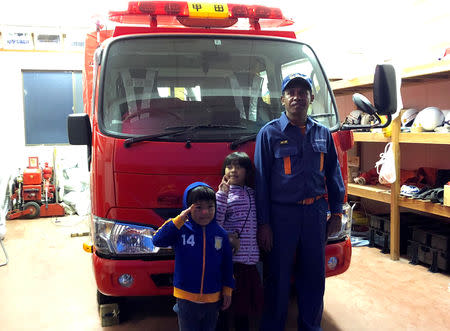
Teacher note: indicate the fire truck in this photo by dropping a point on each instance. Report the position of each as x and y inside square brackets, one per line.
[171, 90]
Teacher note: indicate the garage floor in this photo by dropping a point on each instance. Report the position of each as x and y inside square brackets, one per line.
[48, 285]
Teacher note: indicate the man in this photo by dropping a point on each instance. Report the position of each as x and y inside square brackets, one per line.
[296, 164]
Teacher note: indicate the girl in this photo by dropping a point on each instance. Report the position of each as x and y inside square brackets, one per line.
[236, 212]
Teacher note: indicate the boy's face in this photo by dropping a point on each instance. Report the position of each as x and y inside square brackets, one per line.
[203, 212]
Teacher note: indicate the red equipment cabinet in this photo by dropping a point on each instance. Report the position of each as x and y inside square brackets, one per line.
[32, 176]
[164, 103]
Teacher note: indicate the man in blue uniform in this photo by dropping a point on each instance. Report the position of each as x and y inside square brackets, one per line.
[296, 165]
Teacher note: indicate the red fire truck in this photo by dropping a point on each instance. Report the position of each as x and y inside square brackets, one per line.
[169, 92]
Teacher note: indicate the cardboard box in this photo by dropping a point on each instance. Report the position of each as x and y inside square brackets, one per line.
[353, 161]
[447, 195]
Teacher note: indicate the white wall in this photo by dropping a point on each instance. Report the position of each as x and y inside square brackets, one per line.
[13, 152]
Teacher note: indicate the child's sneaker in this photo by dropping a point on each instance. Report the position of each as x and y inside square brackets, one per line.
[408, 190]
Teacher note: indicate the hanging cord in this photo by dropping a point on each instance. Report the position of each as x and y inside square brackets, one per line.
[248, 213]
[6, 254]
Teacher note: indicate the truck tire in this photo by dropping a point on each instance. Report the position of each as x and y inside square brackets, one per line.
[105, 305]
[35, 209]
[104, 299]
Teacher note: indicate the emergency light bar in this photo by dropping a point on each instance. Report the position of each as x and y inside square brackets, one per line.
[198, 14]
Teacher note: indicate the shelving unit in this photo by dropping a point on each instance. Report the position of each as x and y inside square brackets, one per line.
[433, 73]
[411, 138]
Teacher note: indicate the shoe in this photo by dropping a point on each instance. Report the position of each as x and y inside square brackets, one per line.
[408, 190]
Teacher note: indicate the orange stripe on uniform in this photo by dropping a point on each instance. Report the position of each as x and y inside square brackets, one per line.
[321, 161]
[287, 165]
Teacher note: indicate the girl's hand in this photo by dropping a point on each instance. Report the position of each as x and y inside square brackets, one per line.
[226, 302]
[185, 213]
[234, 242]
[224, 185]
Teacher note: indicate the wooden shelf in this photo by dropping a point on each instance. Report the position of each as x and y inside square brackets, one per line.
[407, 137]
[427, 207]
[437, 72]
[373, 192]
[425, 138]
[382, 194]
[433, 70]
[370, 137]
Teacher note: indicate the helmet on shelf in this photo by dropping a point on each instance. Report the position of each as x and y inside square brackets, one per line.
[447, 119]
[408, 116]
[354, 117]
[428, 119]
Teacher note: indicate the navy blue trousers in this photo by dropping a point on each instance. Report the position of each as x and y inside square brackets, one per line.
[197, 316]
[298, 249]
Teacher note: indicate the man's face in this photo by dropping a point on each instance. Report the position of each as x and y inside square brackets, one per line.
[296, 99]
[203, 212]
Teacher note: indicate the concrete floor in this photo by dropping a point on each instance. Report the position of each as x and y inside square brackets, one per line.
[48, 285]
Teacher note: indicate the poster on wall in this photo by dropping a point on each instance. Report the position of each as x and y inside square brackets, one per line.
[74, 41]
[47, 41]
[17, 40]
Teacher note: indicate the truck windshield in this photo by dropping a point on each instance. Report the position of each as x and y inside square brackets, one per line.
[153, 84]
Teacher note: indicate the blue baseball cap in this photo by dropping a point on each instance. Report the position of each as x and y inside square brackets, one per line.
[297, 76]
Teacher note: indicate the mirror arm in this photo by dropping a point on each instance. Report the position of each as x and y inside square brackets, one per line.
[373, 126]
[389, 120]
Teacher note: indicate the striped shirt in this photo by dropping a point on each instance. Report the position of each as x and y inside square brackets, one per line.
[232, 210]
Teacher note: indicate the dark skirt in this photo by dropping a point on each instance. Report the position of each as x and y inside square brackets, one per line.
[248, 297]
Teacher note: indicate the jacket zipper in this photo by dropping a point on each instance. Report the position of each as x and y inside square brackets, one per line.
[204, 257]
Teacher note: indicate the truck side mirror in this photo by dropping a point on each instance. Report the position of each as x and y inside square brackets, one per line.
[362, 103]
[79, 129]
[385, 98]
[80, 132]
[385, 89]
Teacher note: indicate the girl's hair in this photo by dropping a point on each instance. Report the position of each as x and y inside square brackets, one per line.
[200, 193]
[244, 161]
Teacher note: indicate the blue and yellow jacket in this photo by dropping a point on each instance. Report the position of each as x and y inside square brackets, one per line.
[203, 257]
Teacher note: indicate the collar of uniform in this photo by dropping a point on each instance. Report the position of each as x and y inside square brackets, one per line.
[284, 121]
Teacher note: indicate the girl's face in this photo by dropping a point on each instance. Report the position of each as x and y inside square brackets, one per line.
[235, 174]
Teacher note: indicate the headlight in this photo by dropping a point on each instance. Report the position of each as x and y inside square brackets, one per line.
[111, 237]
[346, 228]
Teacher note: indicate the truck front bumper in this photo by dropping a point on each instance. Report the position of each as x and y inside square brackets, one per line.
[152, 278]
[337, 257]
[149, 278]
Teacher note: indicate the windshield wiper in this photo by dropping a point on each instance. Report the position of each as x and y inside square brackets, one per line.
[206, 126]
[242, 140]
[181, 129]
[128, 142]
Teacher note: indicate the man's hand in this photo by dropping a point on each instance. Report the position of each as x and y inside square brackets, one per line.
[224, 185]
[334, 225]
[226, 302]
[265, 237]
[185, 213]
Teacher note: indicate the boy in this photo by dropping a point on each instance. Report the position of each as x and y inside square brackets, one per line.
[203, 259]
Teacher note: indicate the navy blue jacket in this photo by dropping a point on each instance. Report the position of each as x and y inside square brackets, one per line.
[291, 167]
[203, 257]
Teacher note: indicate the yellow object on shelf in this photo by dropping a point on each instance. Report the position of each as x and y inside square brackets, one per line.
[447, 195]
[360, 218]
[387, 131]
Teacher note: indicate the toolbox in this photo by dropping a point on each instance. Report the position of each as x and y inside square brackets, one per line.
[380, 229]
[436, 259]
